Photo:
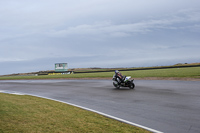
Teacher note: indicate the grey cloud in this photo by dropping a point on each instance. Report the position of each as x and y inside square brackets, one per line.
[123, 30]
[98, 33]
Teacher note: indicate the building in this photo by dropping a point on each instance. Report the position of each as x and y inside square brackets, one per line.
[61, 67]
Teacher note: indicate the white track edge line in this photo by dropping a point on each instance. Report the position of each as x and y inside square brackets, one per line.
[109, 116]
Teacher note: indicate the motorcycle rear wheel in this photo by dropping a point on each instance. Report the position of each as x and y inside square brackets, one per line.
[116, 86]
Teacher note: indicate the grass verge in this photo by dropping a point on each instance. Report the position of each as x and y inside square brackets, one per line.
[189, 72]
[31, 114]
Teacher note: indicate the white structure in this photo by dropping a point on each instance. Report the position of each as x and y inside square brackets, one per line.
[61, 67]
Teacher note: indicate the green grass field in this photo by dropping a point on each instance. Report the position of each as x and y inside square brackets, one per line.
[27, 114]
[189, 72]
[31, 114]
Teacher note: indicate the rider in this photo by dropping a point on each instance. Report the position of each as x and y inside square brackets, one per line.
[119, 76]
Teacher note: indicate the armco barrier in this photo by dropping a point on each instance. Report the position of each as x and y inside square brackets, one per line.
[131, 69]
[135, 69]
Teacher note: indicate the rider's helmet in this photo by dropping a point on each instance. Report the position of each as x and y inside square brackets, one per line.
[116, 71]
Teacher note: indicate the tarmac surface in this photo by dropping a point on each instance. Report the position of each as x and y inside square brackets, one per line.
[163, 105]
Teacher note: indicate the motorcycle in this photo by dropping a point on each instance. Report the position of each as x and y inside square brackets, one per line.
[126, 83]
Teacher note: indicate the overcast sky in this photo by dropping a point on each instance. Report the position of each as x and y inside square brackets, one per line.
[97, 33]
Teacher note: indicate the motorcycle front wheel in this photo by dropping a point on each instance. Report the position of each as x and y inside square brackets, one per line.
[132, 85]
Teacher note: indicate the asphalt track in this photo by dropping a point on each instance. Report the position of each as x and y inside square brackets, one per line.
[166, 106]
